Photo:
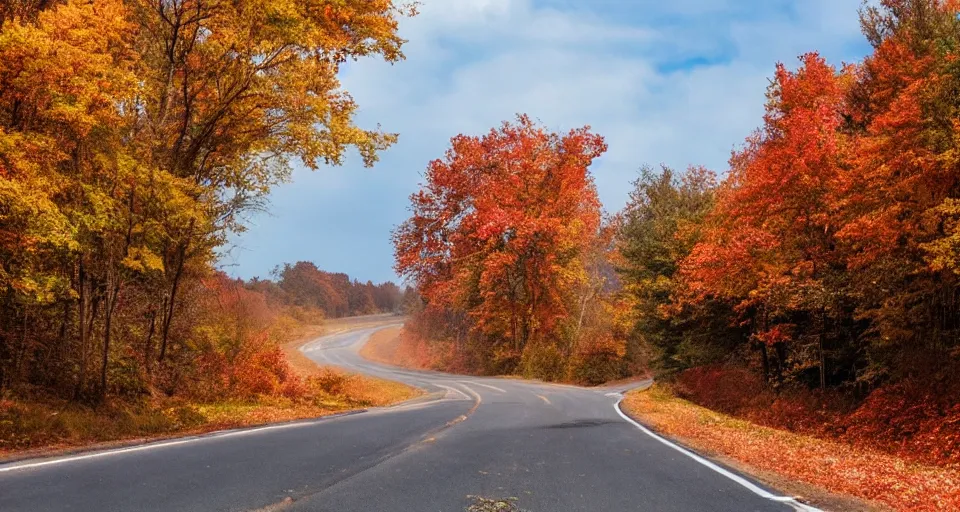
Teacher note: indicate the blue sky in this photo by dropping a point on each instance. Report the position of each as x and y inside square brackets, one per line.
[677, 82]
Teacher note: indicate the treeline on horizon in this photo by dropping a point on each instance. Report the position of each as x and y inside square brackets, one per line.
[135, 136]
[823, 265]
[306, 290]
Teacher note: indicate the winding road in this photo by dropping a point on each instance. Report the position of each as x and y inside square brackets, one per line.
[554, 448]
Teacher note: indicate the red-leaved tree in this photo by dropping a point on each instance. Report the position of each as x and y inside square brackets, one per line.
[499, 230]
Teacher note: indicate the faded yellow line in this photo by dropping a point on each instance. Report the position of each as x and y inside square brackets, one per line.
[545, 399]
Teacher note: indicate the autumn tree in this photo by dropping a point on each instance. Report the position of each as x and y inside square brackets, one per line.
[134, 136]
[771, 249]
[833, 238]
[900, 210]
[499, 230]
[63, 171]
[234, 91]
[658, 228]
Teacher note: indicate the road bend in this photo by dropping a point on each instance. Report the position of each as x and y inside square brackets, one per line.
[554, 448]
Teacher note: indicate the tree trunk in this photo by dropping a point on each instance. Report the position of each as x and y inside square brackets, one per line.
[765, 359]
[112, 295]
[148, 346]
[781, 352]
[168, 316]
[64, 325]
[84, 307]
[21, 354]
[823, 359]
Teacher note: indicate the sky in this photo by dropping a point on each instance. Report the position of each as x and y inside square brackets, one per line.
[673, 82]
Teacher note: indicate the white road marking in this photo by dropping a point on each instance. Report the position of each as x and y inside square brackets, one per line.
[545, 399]
[455, 390]
[472, 392]
[485, 385]
[152, 446]
[14, 466]
[792, 502]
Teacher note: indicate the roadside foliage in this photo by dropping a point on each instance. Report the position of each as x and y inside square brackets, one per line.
[135, 136]
[815, 287]
[503, 246]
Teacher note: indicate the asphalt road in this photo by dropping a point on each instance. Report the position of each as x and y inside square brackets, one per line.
[553, 448]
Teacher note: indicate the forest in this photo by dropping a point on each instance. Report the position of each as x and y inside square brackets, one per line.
[135, 137]
[812, 285]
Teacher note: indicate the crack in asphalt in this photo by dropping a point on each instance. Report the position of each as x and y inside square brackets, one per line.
[584, 424]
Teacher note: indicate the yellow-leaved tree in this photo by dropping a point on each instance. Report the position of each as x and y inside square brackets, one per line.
[133, 136]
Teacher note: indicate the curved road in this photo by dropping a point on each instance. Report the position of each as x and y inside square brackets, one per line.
[555, 448]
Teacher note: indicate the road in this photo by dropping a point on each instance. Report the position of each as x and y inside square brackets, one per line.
[554, 448]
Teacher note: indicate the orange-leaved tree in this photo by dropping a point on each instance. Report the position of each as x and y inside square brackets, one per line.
[770, 247]
[901, 207]
[499, 231]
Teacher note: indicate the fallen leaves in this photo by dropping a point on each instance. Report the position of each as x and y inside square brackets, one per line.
[481, 504]
[831, 465]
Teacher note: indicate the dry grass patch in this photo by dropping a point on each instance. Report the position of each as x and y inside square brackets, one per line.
[880, 478]
[35, 428]
[481, 504]
[383, 346]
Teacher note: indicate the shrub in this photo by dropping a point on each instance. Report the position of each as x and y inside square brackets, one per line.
[260, 372]
[600, 359]
[729, 390]
[330, 381]
[542, 361]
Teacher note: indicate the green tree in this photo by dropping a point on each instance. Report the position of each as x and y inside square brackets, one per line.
[660, 225]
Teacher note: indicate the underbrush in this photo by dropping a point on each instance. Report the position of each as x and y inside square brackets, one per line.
[260, 389]
[33, 424]
[915, 420]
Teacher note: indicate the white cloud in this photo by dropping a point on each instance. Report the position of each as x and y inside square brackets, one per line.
[613, 64]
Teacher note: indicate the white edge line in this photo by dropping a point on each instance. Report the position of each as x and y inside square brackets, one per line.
[732, 476]
[485, 385]
[472, 392]
[13, 466]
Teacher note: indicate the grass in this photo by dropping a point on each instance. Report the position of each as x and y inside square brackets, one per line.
[29, 428]
[884, 480]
